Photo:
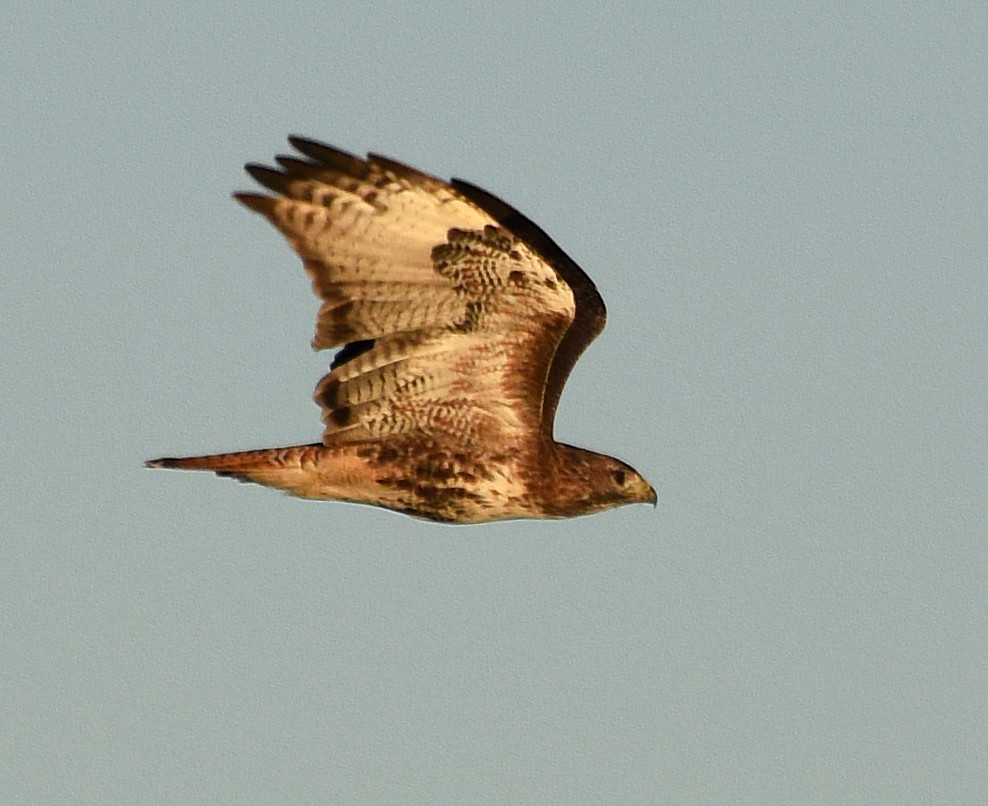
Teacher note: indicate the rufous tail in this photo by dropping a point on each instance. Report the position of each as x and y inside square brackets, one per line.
[284, 468]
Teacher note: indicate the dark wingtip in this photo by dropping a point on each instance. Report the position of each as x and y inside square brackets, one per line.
[254, 201]
[165, 462]
[300, 143]
[269, 177]
[326, 154]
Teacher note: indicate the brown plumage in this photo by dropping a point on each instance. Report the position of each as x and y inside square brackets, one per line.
[459, 321]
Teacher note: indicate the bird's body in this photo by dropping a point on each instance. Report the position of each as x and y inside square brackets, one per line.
[459, 322]
[426, 479]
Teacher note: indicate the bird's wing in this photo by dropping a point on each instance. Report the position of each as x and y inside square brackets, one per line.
[458, 318]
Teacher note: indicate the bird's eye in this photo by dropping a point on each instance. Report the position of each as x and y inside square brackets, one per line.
[619, 477]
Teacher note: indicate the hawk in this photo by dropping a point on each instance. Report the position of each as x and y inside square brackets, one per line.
[459, 321]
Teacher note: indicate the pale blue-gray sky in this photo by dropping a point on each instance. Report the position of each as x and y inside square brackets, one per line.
[786, 209]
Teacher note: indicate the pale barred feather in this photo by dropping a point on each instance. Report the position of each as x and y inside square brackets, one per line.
[404, 383]
[464, 317]
[389, 351]
[428, 384]
[356, 244]
[370, 310]
[349, 249]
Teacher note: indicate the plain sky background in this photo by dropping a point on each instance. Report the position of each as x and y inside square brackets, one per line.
[785, 207]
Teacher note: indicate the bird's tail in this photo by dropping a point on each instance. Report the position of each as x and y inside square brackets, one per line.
[288, 469]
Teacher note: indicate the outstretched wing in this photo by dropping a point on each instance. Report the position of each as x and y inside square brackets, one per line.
[456, 314]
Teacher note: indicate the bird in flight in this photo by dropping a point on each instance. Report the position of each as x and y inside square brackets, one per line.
[459, 321]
